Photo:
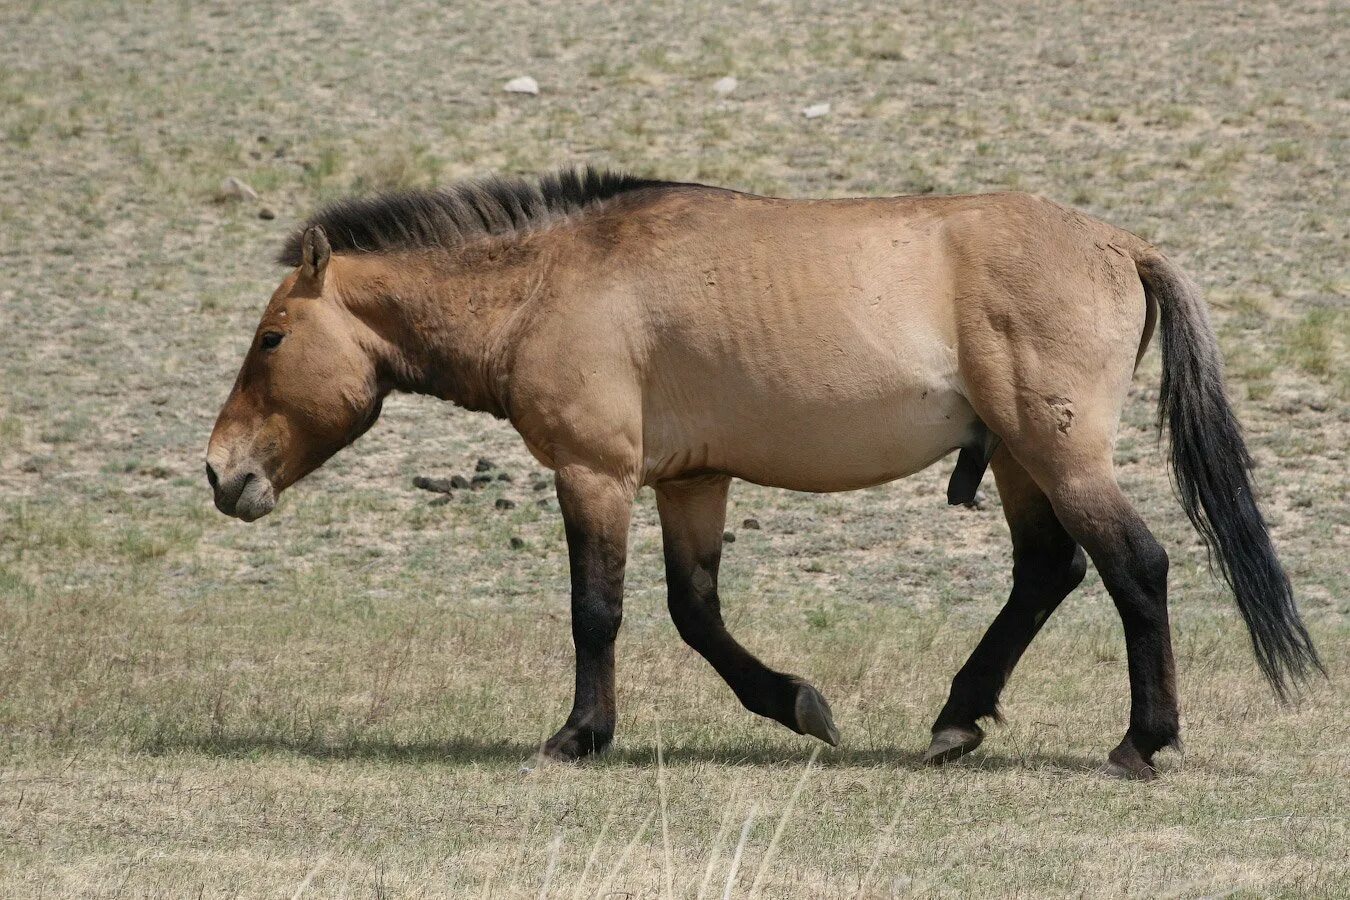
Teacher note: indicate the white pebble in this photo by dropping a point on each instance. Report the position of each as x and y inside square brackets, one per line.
[724, 86]
[522, 85]
[816, 110]
[233, 188]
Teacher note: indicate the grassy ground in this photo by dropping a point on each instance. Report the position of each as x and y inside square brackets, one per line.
[341, 698]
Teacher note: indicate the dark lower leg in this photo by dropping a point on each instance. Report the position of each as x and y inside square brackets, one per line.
[1133, 566]
[692, 517]
[1040, 583]
[1047, 566]
[1140, 594]
[596, 516]
[695, 609]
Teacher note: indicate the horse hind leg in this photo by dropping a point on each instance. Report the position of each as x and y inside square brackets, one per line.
[1133, 566]
[693, 513]
[1047, 565]
[1073, 466]
[1048, 353]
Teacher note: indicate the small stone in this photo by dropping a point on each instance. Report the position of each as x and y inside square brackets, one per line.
[543, 503]
[1060, 57]
[724, 86]
[517, 543]
[728, 537]
[484, 465]
[437, 485]
[480, 481]
[233, 188]
[459, 482]
[504, 476]
[540, 485]
[751, 524]
[267, 213]
[816, 110]
[522, 85]
[504, 503]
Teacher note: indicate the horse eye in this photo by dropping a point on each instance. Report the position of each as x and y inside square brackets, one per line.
[271, 339]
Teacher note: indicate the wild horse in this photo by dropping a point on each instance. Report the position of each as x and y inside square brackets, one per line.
[639, 332]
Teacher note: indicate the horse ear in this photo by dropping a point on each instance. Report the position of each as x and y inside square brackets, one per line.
[315, 251]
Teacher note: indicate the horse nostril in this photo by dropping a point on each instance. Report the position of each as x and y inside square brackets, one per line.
[211, 477]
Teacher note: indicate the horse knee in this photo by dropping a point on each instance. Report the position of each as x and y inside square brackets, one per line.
[1144, 563]
[595, 622]
[1135, 575]
[693, 603]
[1055, 568]
[1125, 551]
[1152, 563]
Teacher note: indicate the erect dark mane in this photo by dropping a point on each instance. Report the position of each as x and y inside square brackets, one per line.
[447, 217]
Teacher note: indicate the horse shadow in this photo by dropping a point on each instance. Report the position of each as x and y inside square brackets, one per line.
[469, 751]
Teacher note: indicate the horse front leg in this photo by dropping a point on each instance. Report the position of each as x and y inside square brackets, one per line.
[693, 512]
[596, 511]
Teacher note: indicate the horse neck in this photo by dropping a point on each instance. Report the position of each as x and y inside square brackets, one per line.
[443, 321]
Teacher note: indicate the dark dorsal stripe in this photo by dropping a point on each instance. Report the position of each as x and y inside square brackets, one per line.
[448, 217]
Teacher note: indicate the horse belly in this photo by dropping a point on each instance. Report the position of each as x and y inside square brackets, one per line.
[848, 448]
[806, 445]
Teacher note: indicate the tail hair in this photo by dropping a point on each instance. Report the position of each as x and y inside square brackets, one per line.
[1212, 470]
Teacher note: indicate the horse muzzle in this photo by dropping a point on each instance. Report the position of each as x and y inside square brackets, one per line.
[242, 492]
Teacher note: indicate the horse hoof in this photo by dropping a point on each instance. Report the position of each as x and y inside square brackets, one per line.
[570, 745]
[952, 743]
[813, 715]
[1125, 773]
[1129, 765]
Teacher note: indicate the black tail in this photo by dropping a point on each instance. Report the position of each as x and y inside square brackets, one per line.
[1211, 465]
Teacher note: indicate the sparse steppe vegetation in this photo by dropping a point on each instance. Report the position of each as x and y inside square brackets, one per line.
[342, 696]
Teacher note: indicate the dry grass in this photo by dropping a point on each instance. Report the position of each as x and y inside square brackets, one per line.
[344, 699]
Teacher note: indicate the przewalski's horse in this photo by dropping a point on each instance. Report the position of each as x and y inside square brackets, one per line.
[649, 333]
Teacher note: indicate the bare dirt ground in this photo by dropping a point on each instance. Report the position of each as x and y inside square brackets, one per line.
[340, 698]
